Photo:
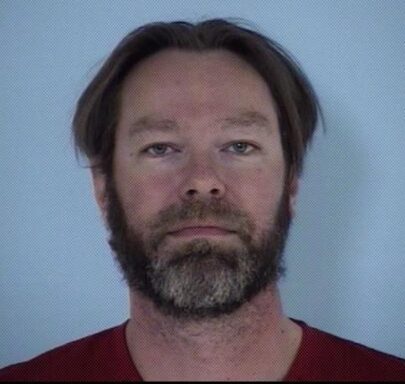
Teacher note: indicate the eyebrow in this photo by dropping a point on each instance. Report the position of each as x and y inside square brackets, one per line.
[243, 119]
[151, 123]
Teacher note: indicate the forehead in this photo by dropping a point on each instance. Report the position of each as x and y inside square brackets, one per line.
[179, 85]
[183, 65]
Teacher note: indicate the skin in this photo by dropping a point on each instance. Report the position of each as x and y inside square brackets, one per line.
[201, 93]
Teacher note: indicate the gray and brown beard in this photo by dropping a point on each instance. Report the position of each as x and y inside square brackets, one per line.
[200, 278]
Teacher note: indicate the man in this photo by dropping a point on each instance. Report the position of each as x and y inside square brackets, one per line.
[196, 136]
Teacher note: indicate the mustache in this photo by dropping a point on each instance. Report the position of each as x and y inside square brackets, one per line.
[220, 211]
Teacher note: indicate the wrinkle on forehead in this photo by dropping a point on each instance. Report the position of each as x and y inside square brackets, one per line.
[243, 119]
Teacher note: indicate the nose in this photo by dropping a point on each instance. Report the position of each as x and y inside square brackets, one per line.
[202, 180]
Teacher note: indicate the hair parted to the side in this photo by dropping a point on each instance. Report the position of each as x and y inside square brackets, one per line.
[96, 115]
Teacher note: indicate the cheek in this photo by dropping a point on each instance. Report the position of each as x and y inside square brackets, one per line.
[258, 191]
[143, 196]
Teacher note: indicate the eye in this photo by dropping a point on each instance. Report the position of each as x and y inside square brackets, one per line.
[159, 150]
[241, 148]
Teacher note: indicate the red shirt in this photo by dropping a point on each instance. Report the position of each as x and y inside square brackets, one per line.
[105, 357]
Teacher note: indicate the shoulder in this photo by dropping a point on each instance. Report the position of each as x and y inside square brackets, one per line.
[328, 357]
[96, 357]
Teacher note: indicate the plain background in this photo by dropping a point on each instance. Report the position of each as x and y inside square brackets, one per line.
[345, 255]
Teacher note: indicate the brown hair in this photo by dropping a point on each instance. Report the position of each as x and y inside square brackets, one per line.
[297, 106]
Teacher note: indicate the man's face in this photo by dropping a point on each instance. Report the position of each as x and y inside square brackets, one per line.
[198, 206]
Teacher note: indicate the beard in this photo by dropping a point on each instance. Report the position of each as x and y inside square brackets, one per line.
[199, 278]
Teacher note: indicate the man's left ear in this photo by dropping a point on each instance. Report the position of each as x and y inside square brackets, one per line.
[99, 190]
[293, 191]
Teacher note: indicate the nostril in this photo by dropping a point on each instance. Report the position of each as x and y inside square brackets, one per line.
[212, 192]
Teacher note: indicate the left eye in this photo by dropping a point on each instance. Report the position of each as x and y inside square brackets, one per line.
[241, 148]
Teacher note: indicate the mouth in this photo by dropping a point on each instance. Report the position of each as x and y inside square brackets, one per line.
[199, 231]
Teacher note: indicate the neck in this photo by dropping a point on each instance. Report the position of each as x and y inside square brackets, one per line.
[256, 342]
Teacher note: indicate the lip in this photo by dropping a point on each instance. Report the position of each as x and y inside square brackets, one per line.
[201, 230]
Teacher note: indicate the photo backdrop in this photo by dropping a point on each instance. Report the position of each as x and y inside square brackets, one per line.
[345, 255]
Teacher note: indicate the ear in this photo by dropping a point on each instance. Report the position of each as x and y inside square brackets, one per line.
[293, 191]
[99, 190]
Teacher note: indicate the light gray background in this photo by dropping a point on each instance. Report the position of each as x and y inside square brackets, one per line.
[345, 256]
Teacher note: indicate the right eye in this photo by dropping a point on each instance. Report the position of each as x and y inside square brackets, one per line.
[158, 150]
